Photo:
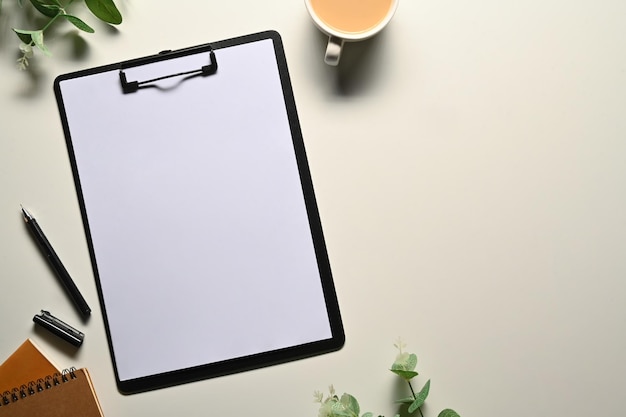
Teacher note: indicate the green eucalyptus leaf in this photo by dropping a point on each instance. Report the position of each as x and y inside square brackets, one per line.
[337, 410]
[350, 404]
[24, 36]
[411, 362]
[105, 10]
[79, 23]
[449, 413]
[405, 362]
[46, 8]
[420, 398]
[407, 375]
[416, 404]
[407, 400]
[36, 37]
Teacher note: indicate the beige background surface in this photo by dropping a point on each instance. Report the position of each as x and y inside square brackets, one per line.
[469, 166]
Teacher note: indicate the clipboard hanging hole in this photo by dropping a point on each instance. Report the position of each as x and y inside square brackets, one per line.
[133, 86]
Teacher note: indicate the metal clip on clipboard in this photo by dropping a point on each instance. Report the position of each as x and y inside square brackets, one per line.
[133, 86]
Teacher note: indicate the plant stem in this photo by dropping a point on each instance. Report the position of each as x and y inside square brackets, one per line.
[61, 11]
[415, 397]
[412, 392]
[52, 19]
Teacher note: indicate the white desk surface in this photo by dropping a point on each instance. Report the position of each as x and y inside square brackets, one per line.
[470, 169]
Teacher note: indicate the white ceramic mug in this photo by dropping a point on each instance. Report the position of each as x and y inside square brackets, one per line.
[349, 21]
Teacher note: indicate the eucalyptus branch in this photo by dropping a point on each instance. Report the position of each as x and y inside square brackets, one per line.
[104, 10]
[404, 367]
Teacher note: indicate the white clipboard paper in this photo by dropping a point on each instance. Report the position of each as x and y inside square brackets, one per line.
[199, 212]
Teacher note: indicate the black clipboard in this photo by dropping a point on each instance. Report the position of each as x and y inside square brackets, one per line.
[199, 212]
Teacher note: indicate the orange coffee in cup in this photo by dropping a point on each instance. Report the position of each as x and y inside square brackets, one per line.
[351, 16]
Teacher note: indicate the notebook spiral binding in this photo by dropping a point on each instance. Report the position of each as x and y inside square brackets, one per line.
[33, 387]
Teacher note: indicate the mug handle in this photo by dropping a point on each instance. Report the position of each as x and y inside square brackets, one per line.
[333, 50]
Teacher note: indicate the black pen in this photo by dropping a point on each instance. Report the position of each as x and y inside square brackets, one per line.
[56, 264]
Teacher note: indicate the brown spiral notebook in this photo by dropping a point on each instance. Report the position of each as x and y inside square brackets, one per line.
[28, 362]
[66, 394]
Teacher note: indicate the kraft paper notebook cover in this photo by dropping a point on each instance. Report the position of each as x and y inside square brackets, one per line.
[27, 363]
[199, 212]
[69, 394]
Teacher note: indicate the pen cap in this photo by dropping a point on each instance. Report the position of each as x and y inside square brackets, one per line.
[59, 328]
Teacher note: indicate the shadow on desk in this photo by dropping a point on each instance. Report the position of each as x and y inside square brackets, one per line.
[58, 344]
[360, 66]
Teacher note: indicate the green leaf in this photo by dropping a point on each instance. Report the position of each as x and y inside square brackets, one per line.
[38, 40]
[405, 362]
[36, 37]
[407, 400]
[78, 23]
[339, 410]
[407, 375]
[449, 413]
[347, 406]
[105, 10]
[411, 361]
[24, 37]
[420, 397]
[46, 9]
[368, 414]
[350, 403]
